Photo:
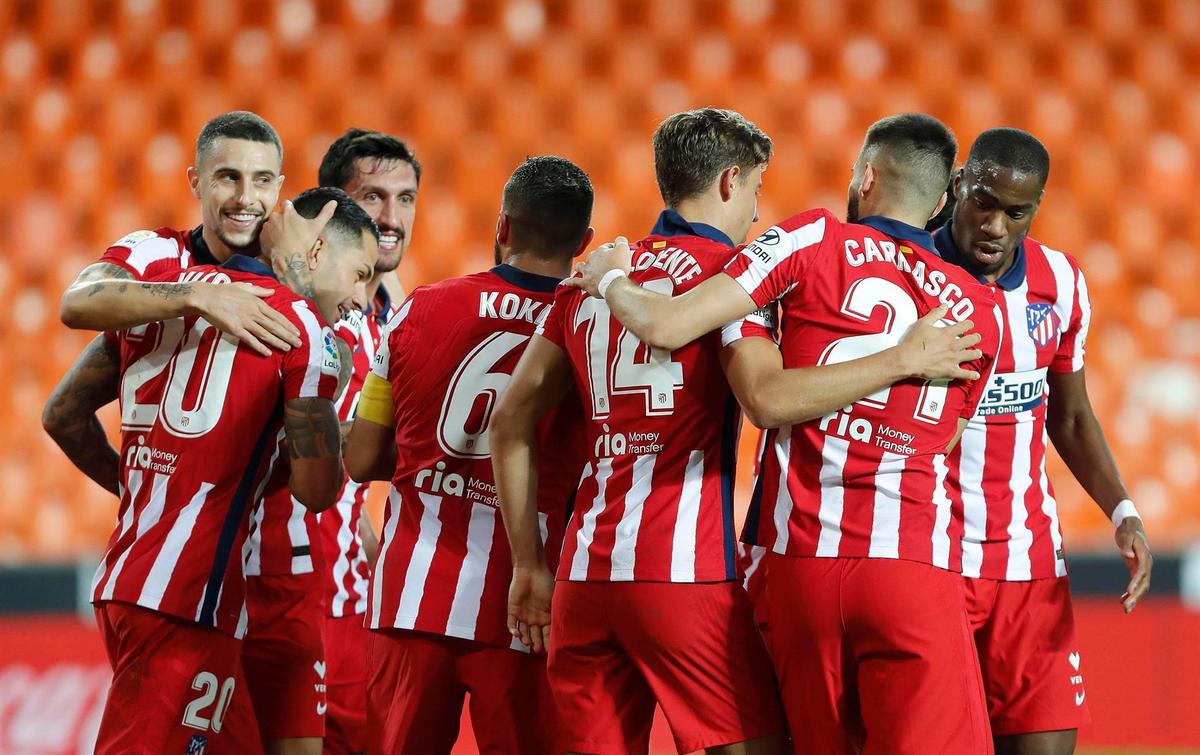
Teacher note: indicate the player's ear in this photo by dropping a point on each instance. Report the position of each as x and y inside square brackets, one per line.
[868, 180]
[193, 176]
[941, 203]
[503, 228]
[957, 181]
[588, 235]
[317, 253]
[726, 181]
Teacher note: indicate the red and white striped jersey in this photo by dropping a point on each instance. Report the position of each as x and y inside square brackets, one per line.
[346, 564]
[656, 500]
[199, 419]
[868, 480]
[998, 471]
[151, 254]
[444, 562]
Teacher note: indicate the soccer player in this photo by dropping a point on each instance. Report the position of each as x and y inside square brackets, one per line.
[201, 417]
[1018, 596]
[437, 596]
[382, 175]
[647, 606]
[868, 625]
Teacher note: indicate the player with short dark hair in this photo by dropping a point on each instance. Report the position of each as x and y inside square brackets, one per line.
[382, 174]
[1018, 595]
[651, 539]
[284, 652]
[201, 421]
[236, 124]
[862, 534]
[437, 596]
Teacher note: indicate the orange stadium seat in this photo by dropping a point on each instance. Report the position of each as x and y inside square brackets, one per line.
[98, 116]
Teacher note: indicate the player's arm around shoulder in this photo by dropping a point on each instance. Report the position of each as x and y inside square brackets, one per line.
[69, 416]
[371, 443]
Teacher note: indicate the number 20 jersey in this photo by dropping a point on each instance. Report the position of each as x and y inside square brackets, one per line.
[869, 480]
[656, 500]
[200, 418]
[444, 563]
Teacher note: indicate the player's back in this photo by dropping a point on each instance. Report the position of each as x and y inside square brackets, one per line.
[655, 501]
[200, 419]
[867, 480]
[444, 563]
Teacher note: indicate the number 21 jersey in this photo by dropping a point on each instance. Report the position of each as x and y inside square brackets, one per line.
[868, 480]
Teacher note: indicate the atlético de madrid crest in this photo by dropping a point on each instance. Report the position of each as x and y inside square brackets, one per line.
[1043, 323]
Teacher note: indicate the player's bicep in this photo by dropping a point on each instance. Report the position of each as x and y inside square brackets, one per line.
[99, 271]
[541, 379]
[313, 436]
[89, 384]
[749, 364]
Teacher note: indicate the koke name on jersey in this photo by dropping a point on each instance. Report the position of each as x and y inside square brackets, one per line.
[510, 306]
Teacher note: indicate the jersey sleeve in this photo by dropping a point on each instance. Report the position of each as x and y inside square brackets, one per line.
[761, 323]
[311, 369]
[147, 254]
[395, 328]
[772, 264]
[553, 325]
[1069, 357]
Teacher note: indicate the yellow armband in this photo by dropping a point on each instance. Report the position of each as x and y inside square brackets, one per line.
[375, 401]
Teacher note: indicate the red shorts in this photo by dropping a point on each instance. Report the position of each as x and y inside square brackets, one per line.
[415, 695]
[174, 685]
[346, 641]
[284, 654]
[1025, 635]
[616, 648]
[875, 656]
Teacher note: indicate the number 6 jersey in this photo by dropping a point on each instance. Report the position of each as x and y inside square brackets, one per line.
[444, 563]
[869, 480]
[200, 421]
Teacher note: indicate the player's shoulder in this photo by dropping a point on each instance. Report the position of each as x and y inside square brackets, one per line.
[154, 236]
[685, 260]
[149, 251]
[1037, 252]
[817, 222]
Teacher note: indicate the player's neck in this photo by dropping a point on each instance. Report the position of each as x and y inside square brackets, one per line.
[530, 263]
[904, 215]
[220, 252]
[703, 209]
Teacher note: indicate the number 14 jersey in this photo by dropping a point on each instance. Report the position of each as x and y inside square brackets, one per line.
[869, 480]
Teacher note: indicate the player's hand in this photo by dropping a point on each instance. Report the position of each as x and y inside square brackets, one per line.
[1135, 549]
[601, 260]
[529, 606]
[239, 309]
[932, 350]
[286, 236]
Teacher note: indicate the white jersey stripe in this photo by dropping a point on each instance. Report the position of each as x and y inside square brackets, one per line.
[756, 553]
[587, 530]
[783, 499]
[135, 485]
[885, 525]
[148, 518]
[422, 558]
[298, 535]
[683, 543]
[316, 342]
[833, 459]
[970, 474]
[464, 609]
[1050, 508]
[1085, 321]
[345, 536]
[159, 576]
[386, 539]
[941, 522]
[1020, 537]
[625, 546]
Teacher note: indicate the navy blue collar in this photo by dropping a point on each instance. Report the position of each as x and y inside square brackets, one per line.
[899, 230]
[528, 281]
[1013, 277]
[384, 300]
[246, 264]
[201, 254]
[671, 223]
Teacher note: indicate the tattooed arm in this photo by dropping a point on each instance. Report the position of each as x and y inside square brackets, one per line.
[69, 417]
[315, 449]
[106, 297]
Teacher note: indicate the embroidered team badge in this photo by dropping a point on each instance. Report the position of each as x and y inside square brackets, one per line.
[197, 745]
[1043, 323]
